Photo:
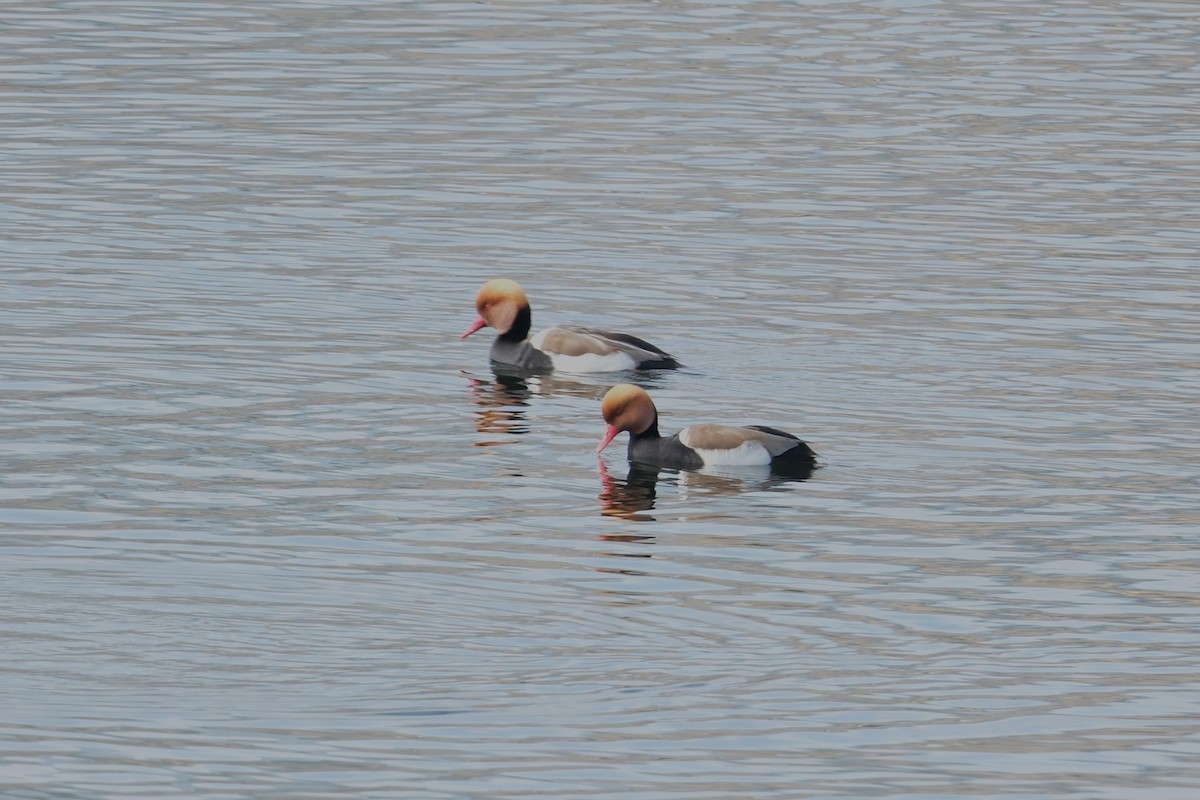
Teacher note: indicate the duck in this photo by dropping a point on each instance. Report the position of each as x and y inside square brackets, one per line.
[626, 407]
[503, 305]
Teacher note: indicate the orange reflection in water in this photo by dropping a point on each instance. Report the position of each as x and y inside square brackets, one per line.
[501, 413]
[628, 497]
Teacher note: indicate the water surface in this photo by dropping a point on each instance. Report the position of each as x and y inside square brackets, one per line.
[270, 529]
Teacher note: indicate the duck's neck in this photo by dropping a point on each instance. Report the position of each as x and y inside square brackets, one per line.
[647, 436]
[520, 355]
[519, 331]
[513, 348]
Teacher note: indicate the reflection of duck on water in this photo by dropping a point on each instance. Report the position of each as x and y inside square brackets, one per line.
[728, 482]
[524, 383]
[630, 496]
[638, 491]
[501, 411]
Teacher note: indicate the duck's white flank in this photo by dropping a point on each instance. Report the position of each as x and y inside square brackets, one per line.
[613, 361]
[748, 453]
[592, 362]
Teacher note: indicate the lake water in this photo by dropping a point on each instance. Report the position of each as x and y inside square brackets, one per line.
[270, 530]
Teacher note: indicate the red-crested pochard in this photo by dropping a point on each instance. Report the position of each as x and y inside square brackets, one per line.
[502, 304]
[628, 408]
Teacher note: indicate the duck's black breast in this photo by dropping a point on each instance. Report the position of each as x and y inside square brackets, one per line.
[664, 451]
[521, 354]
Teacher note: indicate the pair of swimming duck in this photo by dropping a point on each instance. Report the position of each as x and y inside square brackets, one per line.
[502, 305]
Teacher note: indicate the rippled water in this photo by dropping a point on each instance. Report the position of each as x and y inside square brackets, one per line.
[270, 530]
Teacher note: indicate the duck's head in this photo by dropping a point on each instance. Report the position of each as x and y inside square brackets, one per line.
[498, 303]
[626, 408]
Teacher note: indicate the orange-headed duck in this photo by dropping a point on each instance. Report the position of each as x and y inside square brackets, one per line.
[502, 304]
[628, 408]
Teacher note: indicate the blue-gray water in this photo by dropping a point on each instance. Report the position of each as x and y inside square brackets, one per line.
[270, 530]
